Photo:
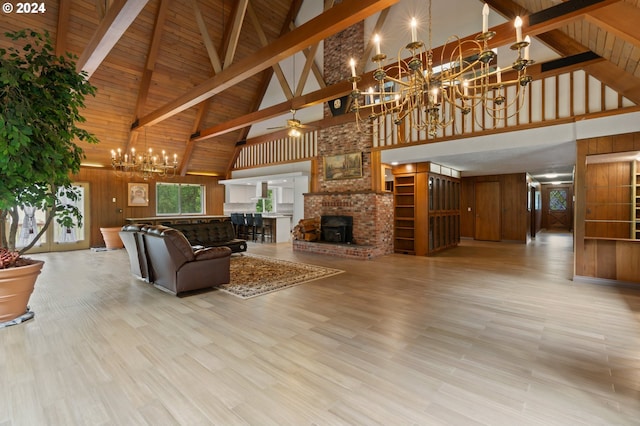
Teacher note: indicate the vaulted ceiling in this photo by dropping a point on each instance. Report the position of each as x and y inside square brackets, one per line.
[194, 77]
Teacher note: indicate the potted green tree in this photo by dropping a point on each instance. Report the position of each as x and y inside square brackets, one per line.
[41, 95]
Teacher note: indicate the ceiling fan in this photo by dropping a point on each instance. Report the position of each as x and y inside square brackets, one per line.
[294, 125]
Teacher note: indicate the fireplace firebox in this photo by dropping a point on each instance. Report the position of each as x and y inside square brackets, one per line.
[336, 229]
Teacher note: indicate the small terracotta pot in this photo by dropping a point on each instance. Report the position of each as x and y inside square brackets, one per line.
[111, 237]
[16, 286]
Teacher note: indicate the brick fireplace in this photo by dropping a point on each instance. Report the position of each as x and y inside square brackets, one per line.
[372, 211]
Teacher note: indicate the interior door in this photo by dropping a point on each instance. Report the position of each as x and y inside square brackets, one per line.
[558, 203]
[488, 217]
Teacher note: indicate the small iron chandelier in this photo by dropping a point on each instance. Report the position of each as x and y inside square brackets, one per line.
[416, 93]
[145, 165]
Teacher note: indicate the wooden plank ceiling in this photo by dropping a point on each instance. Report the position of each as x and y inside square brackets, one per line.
[188, 76]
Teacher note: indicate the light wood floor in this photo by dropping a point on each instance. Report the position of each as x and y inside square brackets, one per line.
[488, 333]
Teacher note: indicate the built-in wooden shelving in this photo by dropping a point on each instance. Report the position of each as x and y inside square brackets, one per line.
[404, 213]
[635, 202]
[426, 208]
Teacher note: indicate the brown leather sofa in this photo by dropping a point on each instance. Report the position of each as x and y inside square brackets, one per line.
[212, 234]
[171, 262]
[131, 237]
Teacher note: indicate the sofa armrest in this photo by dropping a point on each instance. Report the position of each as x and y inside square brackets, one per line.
[212, 253]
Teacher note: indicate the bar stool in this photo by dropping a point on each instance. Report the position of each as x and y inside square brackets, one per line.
[249, 226]
[237, 222]
[263, 228]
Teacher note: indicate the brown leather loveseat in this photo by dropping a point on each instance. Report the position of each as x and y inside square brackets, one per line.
[171, 262]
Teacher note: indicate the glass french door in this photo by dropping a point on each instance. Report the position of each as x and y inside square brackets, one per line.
[56, 238]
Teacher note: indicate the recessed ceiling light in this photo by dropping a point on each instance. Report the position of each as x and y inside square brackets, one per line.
[551, 175]
[394, 163]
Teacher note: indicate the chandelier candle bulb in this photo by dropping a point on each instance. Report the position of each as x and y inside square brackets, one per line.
[485, 18]
[527, 39]
[406, 93]
[414, 30]
[518, 25]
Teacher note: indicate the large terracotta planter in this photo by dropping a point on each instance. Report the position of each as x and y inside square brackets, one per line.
[111, 237]
[16, 286]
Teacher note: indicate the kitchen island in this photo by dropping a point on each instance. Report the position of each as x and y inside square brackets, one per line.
[280, 227]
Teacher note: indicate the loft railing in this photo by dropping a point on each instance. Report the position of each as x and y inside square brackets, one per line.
[547, 100]
[278, 151]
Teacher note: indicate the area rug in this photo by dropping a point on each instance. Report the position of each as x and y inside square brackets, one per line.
[254, 275]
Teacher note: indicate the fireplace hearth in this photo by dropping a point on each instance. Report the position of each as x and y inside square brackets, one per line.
[336, 229]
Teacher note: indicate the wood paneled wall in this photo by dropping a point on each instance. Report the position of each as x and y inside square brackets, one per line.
[105, 187]
[515, 225]
[608, 198]
[610, 259]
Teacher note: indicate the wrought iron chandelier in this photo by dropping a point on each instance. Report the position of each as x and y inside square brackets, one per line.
[145, 165]
[423, 95]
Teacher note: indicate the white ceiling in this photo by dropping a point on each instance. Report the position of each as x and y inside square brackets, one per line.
[538, 152]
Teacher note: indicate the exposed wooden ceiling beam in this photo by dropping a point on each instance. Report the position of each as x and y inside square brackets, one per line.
[382, 18]
[304, 74]
[620, 19]
[334, 20]
[535, 24]
[606, 72]
[369, 48]
[150, 64]
[616, 78]
[63, 26]
[188, 148]
[216, 64]
[277, 69]
[267, 74]
[118, 18]
[152, 56]
[230, 38]
[319, 96]
[555, 39]
[339, 90]
[234, 32]
[315, 69]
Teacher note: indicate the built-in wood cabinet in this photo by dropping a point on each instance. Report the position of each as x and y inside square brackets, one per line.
[426, 208]
[606, 258]
[635, 201]
[444, 212]
[610, 199]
